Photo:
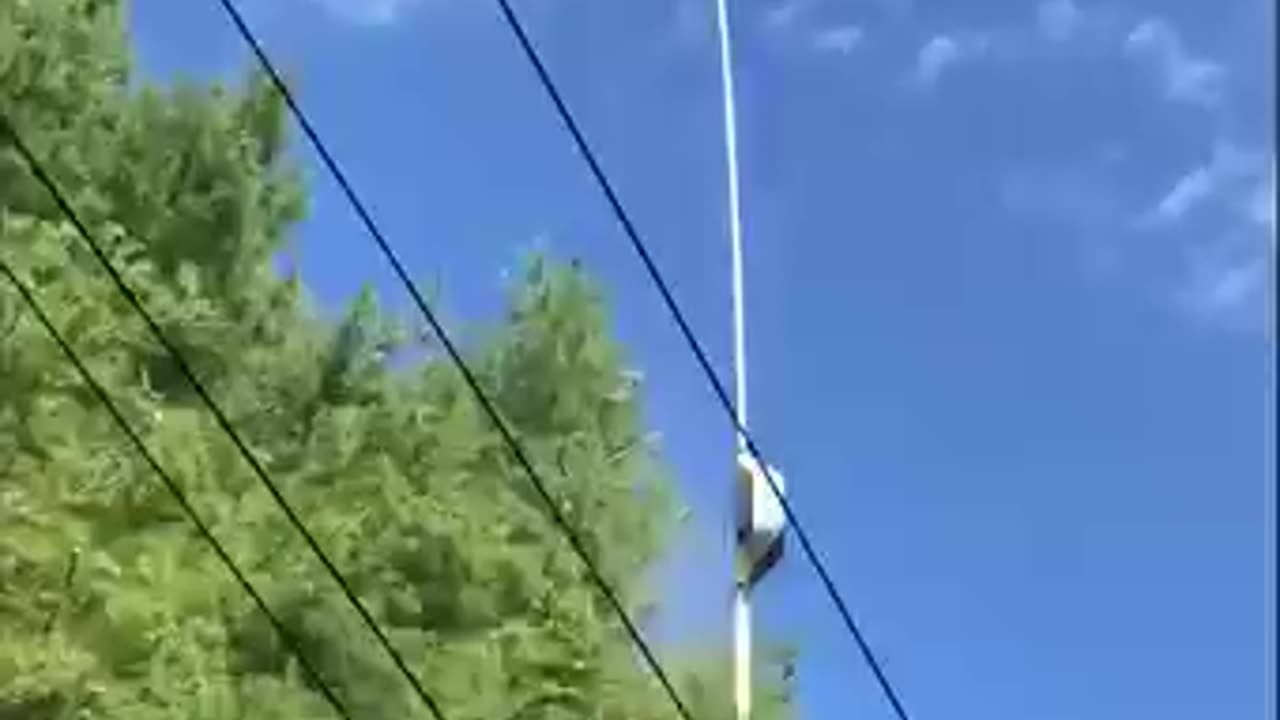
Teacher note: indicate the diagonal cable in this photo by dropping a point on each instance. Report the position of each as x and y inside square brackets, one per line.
[180, 497]
[668, 299]
[219, 415]
[486, 404]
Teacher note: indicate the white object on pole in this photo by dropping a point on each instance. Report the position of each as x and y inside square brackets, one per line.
[742, 588]
[741, 597]
[761, 520]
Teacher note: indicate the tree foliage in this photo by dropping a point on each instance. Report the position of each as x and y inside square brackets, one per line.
[112, 607]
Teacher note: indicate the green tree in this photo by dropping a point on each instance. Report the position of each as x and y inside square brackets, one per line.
[112, 607]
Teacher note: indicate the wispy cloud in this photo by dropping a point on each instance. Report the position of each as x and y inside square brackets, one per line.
[1231, 285]
[691, 23]
[1186, 77]
[1066, 28]
[783, 14]
[1215, 220]
[1227, 272]
[1188, 191]
[1058, 19]
[935, 56]
[945, 50]
[1222, 265]
[841, 39]
[368, 12]
[1260, 205]
[799, 24]
[1226, 170]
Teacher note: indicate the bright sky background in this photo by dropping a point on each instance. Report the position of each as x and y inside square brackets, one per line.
[1009, 268]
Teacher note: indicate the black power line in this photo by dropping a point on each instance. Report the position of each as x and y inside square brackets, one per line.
[487, 405]
[134, 439]
[224, 423]
[668, 299]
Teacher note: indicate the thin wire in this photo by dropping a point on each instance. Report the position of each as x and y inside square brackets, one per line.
[487, 405]
[571, 125]
[223, 422]
[172, 485]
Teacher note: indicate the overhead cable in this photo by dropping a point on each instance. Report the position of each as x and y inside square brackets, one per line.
[518, 453]
[172, 486]
[677, 315]
[223, 422]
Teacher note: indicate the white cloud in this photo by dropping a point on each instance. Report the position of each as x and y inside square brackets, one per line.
[1227, 288]
[945, 50]
[940, 52]
[1260, 206]
[1232, 286]
[368, 12]
[691, 23]
[1231, 289]
[784, 14]
[1058, 19]
[1223, 264]
[1186, 77]
[842, 39]
[1227, 277]
[1226, 170]
[1149, 33]
[1195, 81]
[1063, 26]
[1187, 192]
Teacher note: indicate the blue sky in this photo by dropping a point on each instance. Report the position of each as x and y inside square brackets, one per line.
[1009, 271]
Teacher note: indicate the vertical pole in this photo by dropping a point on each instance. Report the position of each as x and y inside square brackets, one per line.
[741, 590]
[735, 220]
[741, 652]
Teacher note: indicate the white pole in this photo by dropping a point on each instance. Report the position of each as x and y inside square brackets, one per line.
[741, 652]
[741, 591]
[735, 219]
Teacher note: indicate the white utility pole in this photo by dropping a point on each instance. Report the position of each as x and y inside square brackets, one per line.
[742, 583]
